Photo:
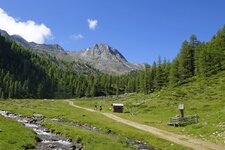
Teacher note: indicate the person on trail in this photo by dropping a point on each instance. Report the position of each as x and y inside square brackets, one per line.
[96, 107]
[100, 107]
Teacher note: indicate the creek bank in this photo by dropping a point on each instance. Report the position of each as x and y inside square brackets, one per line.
[45, 139]
[140, 145]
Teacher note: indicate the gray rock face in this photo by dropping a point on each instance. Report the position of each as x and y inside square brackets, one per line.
[46, 47]
[106, 59]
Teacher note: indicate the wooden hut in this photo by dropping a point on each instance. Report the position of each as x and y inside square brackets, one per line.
[117, 107]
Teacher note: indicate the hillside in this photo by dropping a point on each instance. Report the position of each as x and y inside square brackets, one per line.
[26, 74]
[101, 57]
[25, 71]
[202, 96]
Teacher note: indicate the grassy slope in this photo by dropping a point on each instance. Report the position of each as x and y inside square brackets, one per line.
[89, 139]
[14, 135]
[61, 109]
[205, 97]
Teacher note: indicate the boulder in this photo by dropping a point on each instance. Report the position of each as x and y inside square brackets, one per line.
[51, 146]
[69, 140]
[73, 147]
[38, 117]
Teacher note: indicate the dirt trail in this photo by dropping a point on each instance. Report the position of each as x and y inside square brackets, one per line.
[184, 140]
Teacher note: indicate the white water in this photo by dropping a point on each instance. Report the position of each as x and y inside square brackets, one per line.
[42, 132]
[59, 141]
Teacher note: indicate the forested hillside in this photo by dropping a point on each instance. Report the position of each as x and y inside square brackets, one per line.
[24, 74]
[196, 58]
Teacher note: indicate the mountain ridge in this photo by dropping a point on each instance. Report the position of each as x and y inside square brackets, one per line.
[101, 56]
[32, 45]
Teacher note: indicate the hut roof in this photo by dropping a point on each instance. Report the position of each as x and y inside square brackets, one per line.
[117, 104]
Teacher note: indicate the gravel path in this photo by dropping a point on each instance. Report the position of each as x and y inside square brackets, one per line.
[184, 140]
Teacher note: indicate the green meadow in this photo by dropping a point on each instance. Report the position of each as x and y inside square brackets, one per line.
[202, 96]
[61, 109]
[14, 135]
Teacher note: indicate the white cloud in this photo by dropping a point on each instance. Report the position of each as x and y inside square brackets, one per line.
[77, 37]
[29, 30]
[92, 23]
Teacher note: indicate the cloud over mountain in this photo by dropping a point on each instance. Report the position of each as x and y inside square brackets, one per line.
[77, 37]
[29, 30]
[92, 23]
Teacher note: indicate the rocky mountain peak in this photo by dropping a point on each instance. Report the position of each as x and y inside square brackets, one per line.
[101, 56]
[104, 51]
[106, 58]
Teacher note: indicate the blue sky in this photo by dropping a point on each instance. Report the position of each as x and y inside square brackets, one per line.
[141, 30]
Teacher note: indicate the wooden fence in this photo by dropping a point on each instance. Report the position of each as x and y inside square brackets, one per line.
[182, 121]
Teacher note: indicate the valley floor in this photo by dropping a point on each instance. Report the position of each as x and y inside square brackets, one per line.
[144, 121]
[179, 139]
[92, 130]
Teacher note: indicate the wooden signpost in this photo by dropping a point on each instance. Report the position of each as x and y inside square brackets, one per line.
[181, 108]
[180, 120]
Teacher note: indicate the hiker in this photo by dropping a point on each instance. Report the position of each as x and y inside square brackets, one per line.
[100, 107]
[96, 107]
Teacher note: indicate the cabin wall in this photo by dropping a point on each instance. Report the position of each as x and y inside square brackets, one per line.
[118, 109]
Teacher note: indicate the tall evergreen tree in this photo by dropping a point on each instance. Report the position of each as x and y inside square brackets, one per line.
[174, 76]
[185, 61]
[152, 83]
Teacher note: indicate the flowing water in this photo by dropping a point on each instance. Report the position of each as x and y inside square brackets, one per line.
[48, 140]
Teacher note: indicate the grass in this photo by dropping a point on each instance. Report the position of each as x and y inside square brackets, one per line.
[88, 138]
[14, 135]
[205, 97]
[61, 109]
[202, 96]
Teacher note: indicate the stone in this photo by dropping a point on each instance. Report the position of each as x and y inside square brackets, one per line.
[51, 146]
[38, 116]
[69, 140]
[73, 147]
[46, 130]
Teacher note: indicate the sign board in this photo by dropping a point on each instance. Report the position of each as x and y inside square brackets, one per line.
[181, 106]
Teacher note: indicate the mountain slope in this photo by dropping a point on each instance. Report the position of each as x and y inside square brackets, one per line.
[102, 57]
[52, 49]
[106, 59]
[202, 96]
[32, 45]
[55, 50]
[27, 74]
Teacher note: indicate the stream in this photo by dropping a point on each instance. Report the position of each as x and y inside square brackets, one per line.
[137, 144]
[48, 140]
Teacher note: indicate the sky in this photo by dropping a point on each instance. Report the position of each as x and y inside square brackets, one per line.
[142, 30]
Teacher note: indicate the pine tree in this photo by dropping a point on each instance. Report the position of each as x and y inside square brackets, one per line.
[193, 44]
[159, 81]
[152, 79]
[185, 61]
[147, 78]
[200, 60]
[174, 76]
